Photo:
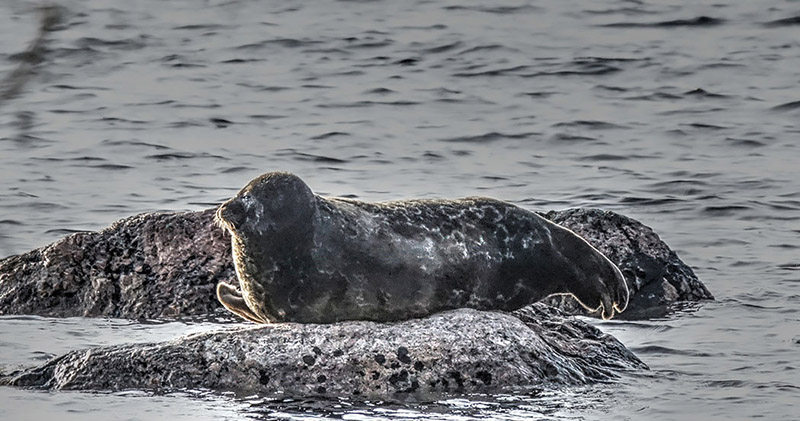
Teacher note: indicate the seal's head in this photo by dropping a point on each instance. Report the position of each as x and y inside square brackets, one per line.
[271, 210]
[595, 281]
[270, 222]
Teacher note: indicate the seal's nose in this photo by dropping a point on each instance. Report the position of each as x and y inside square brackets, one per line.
[232, 212]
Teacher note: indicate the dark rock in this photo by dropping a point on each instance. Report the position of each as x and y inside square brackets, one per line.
[146, 266]
[530, 348]
[167, 264]
[655, 274]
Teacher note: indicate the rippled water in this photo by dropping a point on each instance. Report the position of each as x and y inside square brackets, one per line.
[683, 115]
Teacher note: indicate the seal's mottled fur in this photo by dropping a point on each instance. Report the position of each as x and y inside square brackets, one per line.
[305, 258]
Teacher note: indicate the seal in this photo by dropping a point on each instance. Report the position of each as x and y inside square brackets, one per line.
[301, 257]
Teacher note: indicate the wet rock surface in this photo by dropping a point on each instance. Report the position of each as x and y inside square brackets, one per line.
[456, 351]
[167, 264]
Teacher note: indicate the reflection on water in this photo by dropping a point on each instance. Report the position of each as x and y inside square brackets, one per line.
[682, 115]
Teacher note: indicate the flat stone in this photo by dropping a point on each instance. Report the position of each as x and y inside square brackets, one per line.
[461, 351]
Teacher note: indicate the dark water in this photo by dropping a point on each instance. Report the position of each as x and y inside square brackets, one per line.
[683, 115]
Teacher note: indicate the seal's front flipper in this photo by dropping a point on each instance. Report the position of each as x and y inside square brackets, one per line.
[232, 299]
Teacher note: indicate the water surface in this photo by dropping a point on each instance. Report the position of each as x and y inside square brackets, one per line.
[682, 115]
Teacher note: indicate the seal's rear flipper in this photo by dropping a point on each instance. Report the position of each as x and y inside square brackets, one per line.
[232, 299]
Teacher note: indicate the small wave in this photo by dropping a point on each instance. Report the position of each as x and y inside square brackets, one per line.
[704, 126]
[303, 156]
[278, 42]
[690, 174]
[718, 65]
[64, 231]
[346, 73]
[781, 205]
[120, 44]
[487, 47]
[133, 143]
[380, 91]
[110, 167]
[702, 93]
[220, 122]
[789, 106]
[692, 111]
[628, 11]
[794, 20]
[206, 106]
[608, 88]
[187, 65]
[230, 170]
[656, 349]
[655, 96]
[487, 137]
[183, 124]
[77, 88]
[725, 210]
[263, 88]
[604, 157]
[777, 246]
[266, 116]
[326, 51]
[700, 21]
[183, 155]
[500, 10]
[203, 26]
[65, 111]
[590, 124]
[443, 48]
[596, 59]
[649, 201]
[241, 60]
[437, 27]
[726, 383]
[679, 186]
[361, 104]
[494, 72]
[329, 135]
[538, 94]
[114, 120]
[367, 43]
[747, 143]
[408, 61]
[587, 70]
[46, 206]
[564, 137]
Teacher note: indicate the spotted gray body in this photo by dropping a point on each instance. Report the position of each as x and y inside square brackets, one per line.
[306, 258]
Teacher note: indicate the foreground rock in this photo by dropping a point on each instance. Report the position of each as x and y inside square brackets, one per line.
[167, 264]
[456, 351]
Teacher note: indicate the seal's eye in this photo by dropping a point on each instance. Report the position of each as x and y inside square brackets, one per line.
[247, 200]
